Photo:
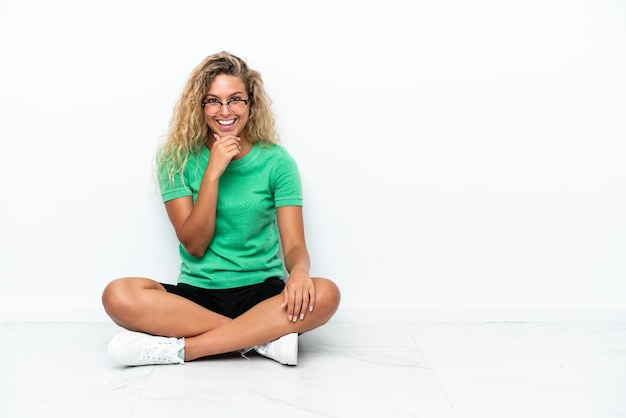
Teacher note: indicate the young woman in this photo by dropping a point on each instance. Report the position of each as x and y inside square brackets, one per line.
[234, 198]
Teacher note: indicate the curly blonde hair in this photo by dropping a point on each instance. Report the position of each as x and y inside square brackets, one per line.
[188, 131]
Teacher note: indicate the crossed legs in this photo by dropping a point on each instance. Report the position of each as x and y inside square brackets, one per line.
[140, 304]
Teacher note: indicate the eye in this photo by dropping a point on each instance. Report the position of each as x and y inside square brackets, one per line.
[212, 100]
[235, 99]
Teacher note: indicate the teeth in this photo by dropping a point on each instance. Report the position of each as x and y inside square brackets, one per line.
[226, 122]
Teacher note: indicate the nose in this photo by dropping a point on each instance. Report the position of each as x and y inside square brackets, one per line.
[225, 109]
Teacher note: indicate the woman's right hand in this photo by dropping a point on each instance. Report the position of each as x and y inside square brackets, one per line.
[223, 150]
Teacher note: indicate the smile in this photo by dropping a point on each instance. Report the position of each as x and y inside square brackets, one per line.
[225, 122]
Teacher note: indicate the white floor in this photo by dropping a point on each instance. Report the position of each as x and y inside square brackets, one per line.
[346, 369]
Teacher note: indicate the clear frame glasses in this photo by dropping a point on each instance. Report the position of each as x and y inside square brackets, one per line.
[236, 105]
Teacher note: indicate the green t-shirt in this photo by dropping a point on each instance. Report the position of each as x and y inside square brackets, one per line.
[245, 246]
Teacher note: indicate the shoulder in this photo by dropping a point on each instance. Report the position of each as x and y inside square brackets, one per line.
[182, 156]
[271, 148]
[275, 152]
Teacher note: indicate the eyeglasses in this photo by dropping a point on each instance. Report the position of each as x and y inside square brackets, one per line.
[236, 105]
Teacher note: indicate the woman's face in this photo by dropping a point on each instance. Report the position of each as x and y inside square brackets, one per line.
[224, 119]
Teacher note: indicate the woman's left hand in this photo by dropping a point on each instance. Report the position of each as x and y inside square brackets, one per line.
[298, 296]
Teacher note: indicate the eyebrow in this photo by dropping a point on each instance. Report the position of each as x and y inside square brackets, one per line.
[232, 94]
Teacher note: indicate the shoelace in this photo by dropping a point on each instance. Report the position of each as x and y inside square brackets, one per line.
[245, 351]
[162, 351]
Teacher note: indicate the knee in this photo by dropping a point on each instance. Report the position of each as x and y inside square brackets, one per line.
[327, 298]
[116, 298]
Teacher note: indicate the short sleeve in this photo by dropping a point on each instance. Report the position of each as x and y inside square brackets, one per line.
[287, 182]
[173, 187]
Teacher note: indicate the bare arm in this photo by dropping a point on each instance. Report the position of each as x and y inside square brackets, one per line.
[299, 293]
[195, 223]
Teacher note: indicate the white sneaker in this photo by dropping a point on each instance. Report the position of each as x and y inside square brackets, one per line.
[284, 350]
[138, 349]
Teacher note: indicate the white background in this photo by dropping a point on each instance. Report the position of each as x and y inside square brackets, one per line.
[456, 155]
